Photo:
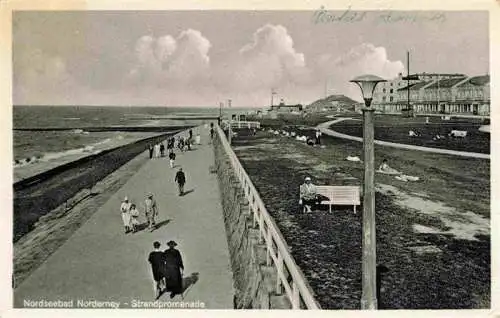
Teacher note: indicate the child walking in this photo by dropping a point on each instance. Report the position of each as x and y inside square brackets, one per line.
[171, 156]
[134, 217]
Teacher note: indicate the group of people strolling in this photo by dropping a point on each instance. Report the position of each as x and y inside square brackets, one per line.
[183, 144]
[130, 214]
[167, 268]
[156, 150]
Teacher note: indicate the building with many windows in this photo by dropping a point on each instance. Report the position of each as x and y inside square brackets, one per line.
[386, 92]
[439, 93]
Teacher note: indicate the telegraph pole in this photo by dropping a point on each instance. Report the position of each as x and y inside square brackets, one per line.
[438, 106]
[408, 77]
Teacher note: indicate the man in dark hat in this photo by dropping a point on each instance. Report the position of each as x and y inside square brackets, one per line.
[180, 178]
[174, 269]
[157, 260]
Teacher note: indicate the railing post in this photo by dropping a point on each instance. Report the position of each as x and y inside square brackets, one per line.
[261, 226]
[279, 270]
[269, 241]
[280, 256]
[295, 296]
[255, 215]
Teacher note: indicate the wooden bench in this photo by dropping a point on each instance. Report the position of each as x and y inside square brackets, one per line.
[340, 195]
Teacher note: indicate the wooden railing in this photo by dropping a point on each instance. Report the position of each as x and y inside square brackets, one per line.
[294, 284]
[243, 124]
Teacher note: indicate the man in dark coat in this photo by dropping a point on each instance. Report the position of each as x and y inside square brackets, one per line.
[157, 260]
[170, 145]
[162, 149]
[180, 178]
[174, 269]
[150, 148]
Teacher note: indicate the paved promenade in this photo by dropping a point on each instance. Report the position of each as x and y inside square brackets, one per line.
[324, 128]
[100, 262]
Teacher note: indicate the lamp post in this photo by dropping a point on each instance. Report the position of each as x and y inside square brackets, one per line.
[230, 122]
[220, 113]
[367, 84]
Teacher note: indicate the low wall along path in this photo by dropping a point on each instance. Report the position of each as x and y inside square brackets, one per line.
[100, 262]
[265, 275]
[234, 254]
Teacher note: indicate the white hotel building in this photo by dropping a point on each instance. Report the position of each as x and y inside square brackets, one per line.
[435, 93]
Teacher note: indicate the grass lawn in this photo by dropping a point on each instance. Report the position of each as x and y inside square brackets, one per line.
[432, 236]
[395, 129]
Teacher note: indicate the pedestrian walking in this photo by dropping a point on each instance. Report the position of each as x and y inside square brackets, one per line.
[171, 156]
[157, 151]
[180, 144]
[190, 134]
[157, 260]
[174, 269]
[151, 149]
[212, 132]
[170, 145]
[134, 217]
[162, 150]
[180, 178]
[318, 137]
[151, 211]
[125, 210]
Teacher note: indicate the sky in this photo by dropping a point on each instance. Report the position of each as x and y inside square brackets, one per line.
[200, 58]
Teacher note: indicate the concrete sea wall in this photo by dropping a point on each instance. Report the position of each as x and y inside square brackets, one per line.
[254, 282]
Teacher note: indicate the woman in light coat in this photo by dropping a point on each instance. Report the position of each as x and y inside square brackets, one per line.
[125, 209]
[157, 151]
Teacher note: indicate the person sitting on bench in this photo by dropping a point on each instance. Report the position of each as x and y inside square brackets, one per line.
[309, 197]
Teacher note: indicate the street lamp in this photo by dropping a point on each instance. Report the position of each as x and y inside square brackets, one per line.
[367, 84]
[219, 121]
[230, 122]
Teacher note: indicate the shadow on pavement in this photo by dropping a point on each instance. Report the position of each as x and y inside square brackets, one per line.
[189, 281]
[187, 192]
[140, 227]
[162, 223]
[186, 283]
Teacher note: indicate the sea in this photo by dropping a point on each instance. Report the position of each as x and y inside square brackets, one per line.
[34, 151]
